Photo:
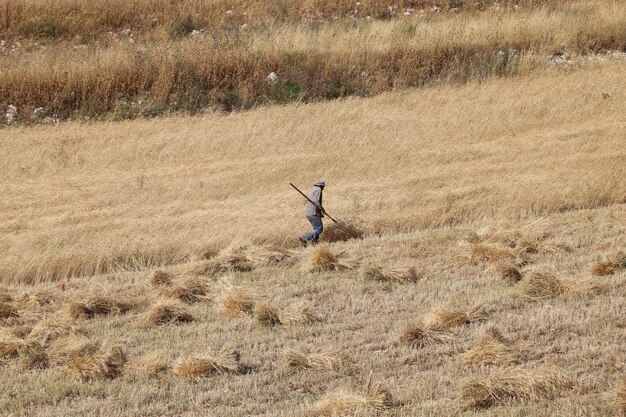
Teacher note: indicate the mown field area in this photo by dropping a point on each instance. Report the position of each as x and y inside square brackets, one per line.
[475, 157]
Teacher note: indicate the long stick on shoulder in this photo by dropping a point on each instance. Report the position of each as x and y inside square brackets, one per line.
[310, 201]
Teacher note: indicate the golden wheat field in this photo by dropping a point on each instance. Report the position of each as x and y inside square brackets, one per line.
[149, 254]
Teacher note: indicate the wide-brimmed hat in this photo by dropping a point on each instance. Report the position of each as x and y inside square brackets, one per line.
[320, 183]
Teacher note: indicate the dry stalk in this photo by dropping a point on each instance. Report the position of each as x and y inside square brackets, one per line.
[165, 312]
[97, 306]
[107, 363]
[451, 318]
[515, 385]
[401, 275]
[201, 366]
[152, 363]
[323, 260]
[327, 360]
[420, 335]
[297, 313]
[343, 402]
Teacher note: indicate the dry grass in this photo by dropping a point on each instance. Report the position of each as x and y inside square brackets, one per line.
[33, 356]
[610, 266]
[509, 273]
[5, 296]
[235, 301]
[98, 305]
[8, 311]
[342, 231]
[106, 363]
[322, 259]
[401, 275]
[201, 366]
[421, 335]
[9, 347]
[51, 329]
[165, 312]
[70, 348]
[343, 402]
[161, 279]
[484, 252]
[152, 363]
[619, 399]
[448, 318]
[515, 385]
[191, 290]
[492, 349]
[158, 239]
[299, 313]
[227, 70]
[331, 360]
[543, 285]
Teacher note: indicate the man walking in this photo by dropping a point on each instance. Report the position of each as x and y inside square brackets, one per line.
[314, 213]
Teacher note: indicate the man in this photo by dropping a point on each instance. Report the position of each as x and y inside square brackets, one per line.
[314, 213]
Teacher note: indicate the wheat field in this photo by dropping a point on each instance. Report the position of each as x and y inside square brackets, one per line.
[152, 268]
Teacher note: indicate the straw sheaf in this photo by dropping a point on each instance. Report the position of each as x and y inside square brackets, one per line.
[98, 306]
[107, 363]
[509, 273]
[230, 260]
[234, 301]
[72, 347]
[342, 231]
[492, 349]
[401, 275]
[322, 259]
[35, 300]
[204, 365]
[191, 290]
[343, 402]
[165, 312]
[161, 279]
[543, 285]
[451, 318]
[609, 266]
[421, 335]
[33, 356]
[482, 252]
[10, 346]
[331, 360]
[296, 314]
[49, 330]
[514, 385]
[152, 363]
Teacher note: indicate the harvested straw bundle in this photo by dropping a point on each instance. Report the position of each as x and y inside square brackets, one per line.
[492, 349]
[161, 279]
[401, 275]
[298, 313]
[152, 363]
[323, 260]
[50, 329]
[33, 356]
[191, 290]
[542, 285]
[342, 231]
[10, 346]
[344, 402]
[327, 360]
[451, 318]
[165, 313]
[107, 363]
[97, 306]
[63, 351]
[482, 252]
[201, 366]
[515, 385]
[609, 266]
[235, 301]
[420, 335]
[509, 273]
